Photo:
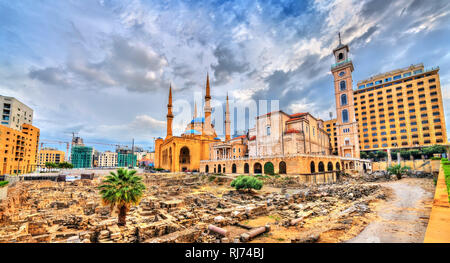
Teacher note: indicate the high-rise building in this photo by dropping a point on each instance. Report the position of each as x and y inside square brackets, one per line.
[19, 139]
[401, 108]
[15, 113]
[82, 156]
[50, 155]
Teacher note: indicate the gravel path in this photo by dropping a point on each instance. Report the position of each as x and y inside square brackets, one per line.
[404, 218]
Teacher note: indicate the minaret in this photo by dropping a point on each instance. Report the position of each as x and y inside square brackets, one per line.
[169, 114]
[207, 129]
[346, 125]
[227, 122]
[195, 110]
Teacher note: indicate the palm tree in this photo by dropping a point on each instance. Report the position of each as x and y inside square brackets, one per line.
[121, 190]
[398, 170]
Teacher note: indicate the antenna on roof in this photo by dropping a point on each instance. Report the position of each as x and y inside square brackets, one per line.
[339, 34]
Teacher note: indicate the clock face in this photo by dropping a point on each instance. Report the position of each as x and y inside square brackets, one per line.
[342, 73]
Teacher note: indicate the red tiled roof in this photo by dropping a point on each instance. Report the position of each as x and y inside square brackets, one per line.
[239, 137]
[297, 114]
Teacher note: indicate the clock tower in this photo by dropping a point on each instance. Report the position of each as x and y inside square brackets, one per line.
[346, 124]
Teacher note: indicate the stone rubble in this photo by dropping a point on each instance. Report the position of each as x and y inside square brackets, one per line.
[172, 210]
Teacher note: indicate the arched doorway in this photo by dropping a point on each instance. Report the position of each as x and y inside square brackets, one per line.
[268, 168]
[219, 168]
[338, 166]
[246, 168]
[223, 168]
[206, 169]
[282, 167]
[184, 158]
[321, 167]
[330, 166]
[312, 167]
[257, 168]
[352, 165]
[233, 168]
[364, 167]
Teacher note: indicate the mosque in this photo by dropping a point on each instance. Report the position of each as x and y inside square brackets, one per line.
[183, 153]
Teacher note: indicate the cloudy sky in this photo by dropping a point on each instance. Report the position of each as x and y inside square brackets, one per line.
[102, 68]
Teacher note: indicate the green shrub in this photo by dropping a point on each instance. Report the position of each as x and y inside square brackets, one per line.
[435, 158]
[3, 183]
[246, 182]
[398, 170]
[444, 159]
[211, 178]
[446, 169]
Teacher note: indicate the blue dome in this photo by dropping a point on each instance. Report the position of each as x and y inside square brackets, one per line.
[191, 131]
[198, 120]
[217, 138]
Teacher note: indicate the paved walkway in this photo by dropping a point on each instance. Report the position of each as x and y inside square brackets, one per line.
[404, 218]
[438, 230]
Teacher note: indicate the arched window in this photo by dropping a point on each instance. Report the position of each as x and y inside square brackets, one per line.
[340, 56]
[246, 168]
[342, 85]
[321, 167]
[344, 116]
[312, 167]
[233, 168]
[343, 99]
[330, 166]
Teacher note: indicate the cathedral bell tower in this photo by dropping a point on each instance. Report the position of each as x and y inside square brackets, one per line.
[346, 125]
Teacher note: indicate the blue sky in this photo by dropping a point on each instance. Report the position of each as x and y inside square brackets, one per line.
[102, 68]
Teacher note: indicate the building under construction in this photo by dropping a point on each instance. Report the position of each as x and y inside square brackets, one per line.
[82, 156]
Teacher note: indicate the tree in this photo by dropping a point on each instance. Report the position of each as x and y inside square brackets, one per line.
[380, 154]
[246, 182]
[121, 190]
[65, 165]
[416, 154]
[50, 165]
[405, 154]
[398, 170]
[363, 155]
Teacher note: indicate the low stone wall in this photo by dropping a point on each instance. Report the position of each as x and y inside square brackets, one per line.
[417, 165]
[3, 193]
[438, 230]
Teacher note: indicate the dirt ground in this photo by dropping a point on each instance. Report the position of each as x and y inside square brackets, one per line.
[404, 217]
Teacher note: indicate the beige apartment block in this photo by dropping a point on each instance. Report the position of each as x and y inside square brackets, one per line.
[15, 113]
[50, 155]
[107, 159]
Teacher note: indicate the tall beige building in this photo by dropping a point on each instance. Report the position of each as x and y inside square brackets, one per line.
[15, 113]
[402, 108]
[107, 159]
